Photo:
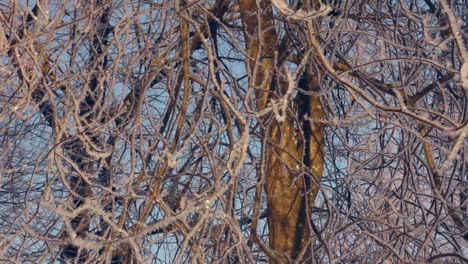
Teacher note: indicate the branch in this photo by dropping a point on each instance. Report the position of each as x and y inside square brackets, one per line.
[427, 89]
[301, 14]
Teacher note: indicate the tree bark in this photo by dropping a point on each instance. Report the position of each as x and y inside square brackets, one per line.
[294, 153]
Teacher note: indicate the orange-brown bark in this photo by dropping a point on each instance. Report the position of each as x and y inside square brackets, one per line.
[294, 152]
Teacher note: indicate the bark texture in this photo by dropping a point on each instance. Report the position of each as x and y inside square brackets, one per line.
[294, 152]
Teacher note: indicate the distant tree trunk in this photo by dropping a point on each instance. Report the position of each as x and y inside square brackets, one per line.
[76, 148]
[294, 153]
[90, 112]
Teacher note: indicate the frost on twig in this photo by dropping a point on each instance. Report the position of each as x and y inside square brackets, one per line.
[284, 8]
[171, 159]
[238, 153]
[279, 107]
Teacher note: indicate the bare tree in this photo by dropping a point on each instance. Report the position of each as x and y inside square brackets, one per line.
[247, 131]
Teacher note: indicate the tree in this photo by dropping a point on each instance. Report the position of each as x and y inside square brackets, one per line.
[233, 131]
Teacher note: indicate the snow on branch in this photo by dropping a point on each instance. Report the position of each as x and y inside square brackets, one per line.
[284, 8]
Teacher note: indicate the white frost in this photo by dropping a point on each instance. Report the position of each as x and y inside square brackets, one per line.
[284, 8]
[171, 159]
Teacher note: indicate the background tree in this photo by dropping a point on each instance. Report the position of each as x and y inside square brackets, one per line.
[233, 131]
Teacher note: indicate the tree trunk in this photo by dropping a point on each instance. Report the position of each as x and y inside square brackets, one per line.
[294, 153]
